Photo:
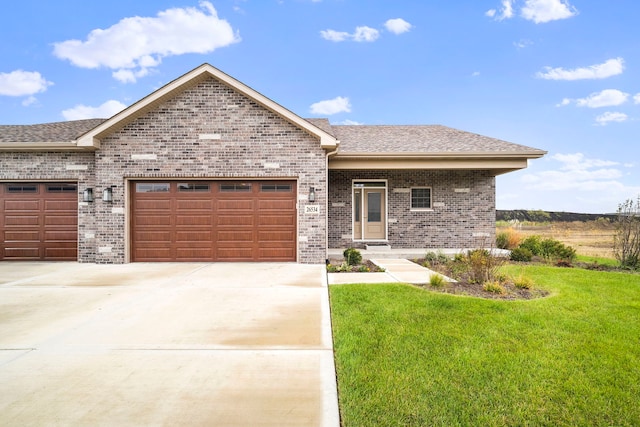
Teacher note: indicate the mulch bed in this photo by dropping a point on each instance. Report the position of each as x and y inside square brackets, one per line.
[357, 268]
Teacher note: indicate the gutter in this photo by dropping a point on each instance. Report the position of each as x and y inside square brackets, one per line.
[326, 209]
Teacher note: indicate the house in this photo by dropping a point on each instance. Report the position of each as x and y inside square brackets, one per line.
[208, 169]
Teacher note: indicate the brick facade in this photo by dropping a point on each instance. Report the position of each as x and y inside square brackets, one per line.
[462, 215]
[165, 143]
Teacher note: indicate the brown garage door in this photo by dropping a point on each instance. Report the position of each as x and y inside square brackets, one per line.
[213, 221]
[39, 221]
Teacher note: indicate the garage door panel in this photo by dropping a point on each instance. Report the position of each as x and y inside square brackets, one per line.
[21, 221]
[21, 236]
[60, 205]
[193, 219]
[153, 236]
[193, 236]
[152, 204]
[194, 254]
[228, 223]
[276, 220]
[234, 236]
[55, 220]
[32, 252]
[153, 220]
[234, 204]
[60, 236]
[186, 205]
[277, 254]
[235, 220]
[61, 254]
[276, 236]
[21, 205]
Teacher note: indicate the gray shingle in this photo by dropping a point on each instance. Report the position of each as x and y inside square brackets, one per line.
[48, 132]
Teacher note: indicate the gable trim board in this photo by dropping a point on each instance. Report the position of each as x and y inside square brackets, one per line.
[207, 127]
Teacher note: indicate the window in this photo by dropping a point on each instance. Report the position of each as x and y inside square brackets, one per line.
[62, 188]
[152, 187]
[421, 198]
[235, 188]
[193, 187]
[22, 188]
[279, 188]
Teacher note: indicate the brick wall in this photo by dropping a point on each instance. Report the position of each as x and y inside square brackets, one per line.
[459, 219]
[164, 143]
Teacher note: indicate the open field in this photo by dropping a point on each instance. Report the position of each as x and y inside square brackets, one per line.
[589, 238]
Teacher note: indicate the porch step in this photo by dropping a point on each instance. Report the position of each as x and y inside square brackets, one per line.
[378, 247]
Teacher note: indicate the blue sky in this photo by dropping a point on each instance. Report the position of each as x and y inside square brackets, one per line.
[559, 75]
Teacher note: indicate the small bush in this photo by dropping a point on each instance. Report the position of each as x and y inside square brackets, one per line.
[332, 268]
[523, 282]
[532, 243]
[521, 254]
[430, 257]
[554, 250]
[508, 239]
[363, 269]
[493, 287]
[437, 280]
[352, 256]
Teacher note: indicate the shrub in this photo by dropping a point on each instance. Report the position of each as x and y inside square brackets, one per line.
[363, 269]
[533, 244]
[554, 250]
[626, 241]
[508, 239]
[436, 280]
[352, 256]
[331, 268]
[521, 254]
[493, 287]
[523, 282]
[430, 257]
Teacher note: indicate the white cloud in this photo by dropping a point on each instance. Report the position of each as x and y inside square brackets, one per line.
[636, 98]
[134, 45]
[575, 172]
[336, 105]
[361, 34]
[335, 36]
[521, 44]
[608, 117]
[506, 11]
[365, 34]
[29, 101]
[22, 83]
[611, 67]
[565, 101]
[349, 123]
[80, 112]
[606, 98]
[397, 26]
[541, 11]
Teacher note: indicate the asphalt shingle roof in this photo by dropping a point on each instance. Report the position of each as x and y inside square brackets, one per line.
[48, 132]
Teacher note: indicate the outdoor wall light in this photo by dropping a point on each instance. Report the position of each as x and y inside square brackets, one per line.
[107, 195]
[87, 195]
[312, 194]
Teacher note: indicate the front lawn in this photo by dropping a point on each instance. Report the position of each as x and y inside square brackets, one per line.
[407, 356]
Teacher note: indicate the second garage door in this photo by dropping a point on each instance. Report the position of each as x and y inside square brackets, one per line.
[213, 221]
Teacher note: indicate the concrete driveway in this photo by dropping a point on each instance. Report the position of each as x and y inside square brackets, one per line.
[166, 344]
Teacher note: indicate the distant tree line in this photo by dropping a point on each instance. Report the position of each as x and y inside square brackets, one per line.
[545, 216]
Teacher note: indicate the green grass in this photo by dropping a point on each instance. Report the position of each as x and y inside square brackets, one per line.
[599, 260]
[411, 357]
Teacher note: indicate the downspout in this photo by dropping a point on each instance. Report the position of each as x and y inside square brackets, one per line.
[326, 209]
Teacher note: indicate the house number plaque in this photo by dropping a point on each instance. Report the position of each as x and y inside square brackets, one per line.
[312, 209]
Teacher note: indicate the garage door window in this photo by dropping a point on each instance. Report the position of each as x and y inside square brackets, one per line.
[275, 188]
[160, 187]
[22, 188]
[62, 188]
[235, 188]
[193, 188]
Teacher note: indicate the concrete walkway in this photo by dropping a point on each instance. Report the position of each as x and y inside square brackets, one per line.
[166, 344]
[397, 270]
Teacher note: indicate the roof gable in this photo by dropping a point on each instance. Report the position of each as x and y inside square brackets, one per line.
[92, 138]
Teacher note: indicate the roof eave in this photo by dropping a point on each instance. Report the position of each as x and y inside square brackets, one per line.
[443, 155]
[44, 146]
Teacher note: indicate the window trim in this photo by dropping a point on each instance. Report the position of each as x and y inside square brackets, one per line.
[430, 208]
